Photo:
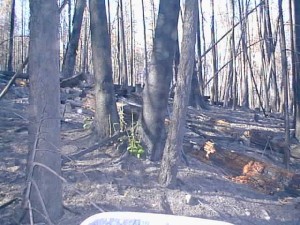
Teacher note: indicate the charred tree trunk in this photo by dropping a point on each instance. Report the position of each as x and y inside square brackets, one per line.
[11, 37]
[124, 75]
[285, 84]
[70, 56]
[297, 61]
[106, 115]
[145, 72]
[157, 84]
[215, 86]
[43, 195]
[173, 148]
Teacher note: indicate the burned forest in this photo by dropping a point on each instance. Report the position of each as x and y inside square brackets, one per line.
[149, 112]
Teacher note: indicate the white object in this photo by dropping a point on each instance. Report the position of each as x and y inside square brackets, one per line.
[136, 218]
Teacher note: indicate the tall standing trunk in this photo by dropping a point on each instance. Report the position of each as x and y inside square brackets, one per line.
[157, 84]
[173, 148]
[297, 62]
[106, 115]
[131, 45]
[109, 18]
[145, 71]
[85, 47]
[204, 64]
[124, 75]
[44, 188]
[199, 63]
[11, 36]
[70, 56]
[284, 72]
[244, 87]
[214, 90]
[233, 53]
[292, 44]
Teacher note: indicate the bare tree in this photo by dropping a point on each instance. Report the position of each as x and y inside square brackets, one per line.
[106, 115]
[173, 148]
[43, 196]
[157, 84]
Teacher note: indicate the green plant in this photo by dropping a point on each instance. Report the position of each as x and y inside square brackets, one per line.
[87, 123]
[134, 144]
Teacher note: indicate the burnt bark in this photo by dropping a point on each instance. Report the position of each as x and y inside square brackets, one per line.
[44, 189]
[157, 84]
[174, 142]
[11, 37]
[70, 56]
[106, 115]
[297, 62]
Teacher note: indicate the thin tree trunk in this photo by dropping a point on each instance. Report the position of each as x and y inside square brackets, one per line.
[131, 45]
[85, 55]
[204, 74]
[293, 60]
[297, 63]
[199, 52]
[124, 75]
[108, 17]
[11, 37]
[215, 86]
[145, 71]
[284, 72]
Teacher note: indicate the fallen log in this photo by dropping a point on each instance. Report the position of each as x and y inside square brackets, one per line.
[267, 140]
[262, 176]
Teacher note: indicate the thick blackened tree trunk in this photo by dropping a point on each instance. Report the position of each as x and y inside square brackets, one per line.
[157, 84]
[297, 62]
[196, 97]
[174, 142]
[11, 37]
[70, 56]
[106, 115]
[44, 188]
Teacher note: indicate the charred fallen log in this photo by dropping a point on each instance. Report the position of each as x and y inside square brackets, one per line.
[262, 176]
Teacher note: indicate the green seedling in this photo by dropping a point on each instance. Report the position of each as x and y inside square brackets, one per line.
[87, 123]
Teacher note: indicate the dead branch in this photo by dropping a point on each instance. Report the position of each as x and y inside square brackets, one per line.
[8, 203]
